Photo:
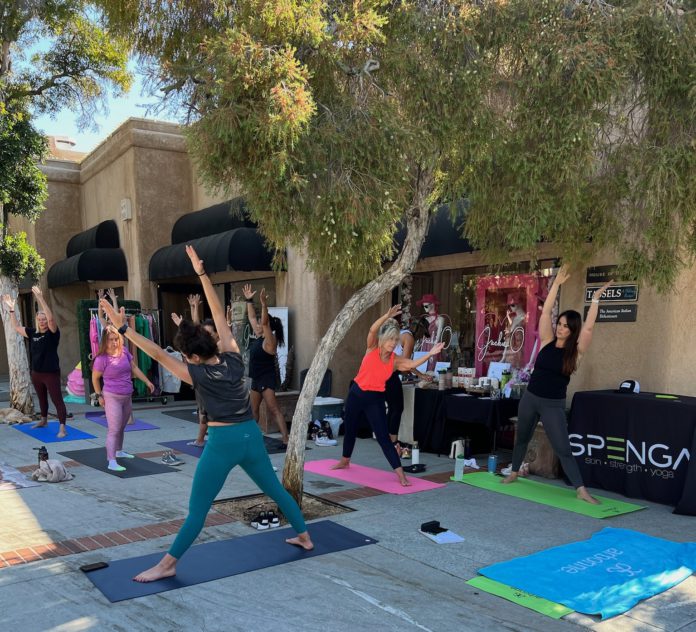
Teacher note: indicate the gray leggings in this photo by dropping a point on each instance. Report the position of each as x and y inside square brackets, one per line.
[552, 415]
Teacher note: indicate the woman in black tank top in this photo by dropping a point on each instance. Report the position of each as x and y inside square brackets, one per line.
[545, 396]
[262, 360]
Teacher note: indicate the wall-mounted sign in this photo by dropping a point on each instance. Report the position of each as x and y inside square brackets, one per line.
[619, 293]
[616, 313]
[601, 274]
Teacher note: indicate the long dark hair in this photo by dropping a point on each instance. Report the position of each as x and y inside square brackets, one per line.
[276, 326]
[570, 349]
[196, 339]
[419, 327]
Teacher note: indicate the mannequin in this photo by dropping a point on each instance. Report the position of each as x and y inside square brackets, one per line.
[436, 325]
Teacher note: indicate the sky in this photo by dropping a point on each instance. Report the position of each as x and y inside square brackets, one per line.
[120, 109]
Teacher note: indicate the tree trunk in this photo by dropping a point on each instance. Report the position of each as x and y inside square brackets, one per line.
[17, 361]
[416, 226]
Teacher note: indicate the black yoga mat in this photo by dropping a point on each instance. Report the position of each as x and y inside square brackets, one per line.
[273, 446]
[187, 414]
[96, 458]
[214, 560]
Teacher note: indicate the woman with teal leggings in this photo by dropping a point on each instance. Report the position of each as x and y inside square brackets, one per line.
[217, 373]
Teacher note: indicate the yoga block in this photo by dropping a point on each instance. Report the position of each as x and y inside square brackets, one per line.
[540, 455]
[287, 401]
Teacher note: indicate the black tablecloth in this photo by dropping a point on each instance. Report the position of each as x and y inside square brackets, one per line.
[638, 445]
[434, 411]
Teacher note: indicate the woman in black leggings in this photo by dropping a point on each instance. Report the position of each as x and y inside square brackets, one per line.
[545, 396]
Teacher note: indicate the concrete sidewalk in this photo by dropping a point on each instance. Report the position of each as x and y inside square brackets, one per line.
[405, 582]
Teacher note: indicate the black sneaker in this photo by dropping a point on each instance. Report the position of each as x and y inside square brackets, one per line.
[273, 519]
[261, 522]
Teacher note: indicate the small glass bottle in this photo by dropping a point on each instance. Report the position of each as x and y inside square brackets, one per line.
[415, 454]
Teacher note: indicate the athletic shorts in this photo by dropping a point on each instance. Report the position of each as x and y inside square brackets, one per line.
[261, 383]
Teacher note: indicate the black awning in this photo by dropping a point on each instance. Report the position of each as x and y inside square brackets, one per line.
[211, 220]
[95, 264]
[444, 235]
[103, 235]
[240, 249]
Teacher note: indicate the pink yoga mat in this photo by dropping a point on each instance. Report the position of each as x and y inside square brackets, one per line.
[383, 480]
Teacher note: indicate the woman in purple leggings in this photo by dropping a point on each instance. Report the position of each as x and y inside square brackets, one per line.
[116, 366]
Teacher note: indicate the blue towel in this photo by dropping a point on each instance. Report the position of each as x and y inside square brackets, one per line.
[606, 575]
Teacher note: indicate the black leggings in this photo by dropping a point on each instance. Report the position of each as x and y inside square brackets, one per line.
[394, 394]
[372, 405]
[49, 384]
[553, 417]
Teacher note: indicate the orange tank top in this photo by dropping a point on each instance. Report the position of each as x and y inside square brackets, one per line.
[374, 373]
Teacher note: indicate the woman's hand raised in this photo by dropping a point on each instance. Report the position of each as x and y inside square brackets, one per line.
[563, 275]
[248, 292]
[598, 293]
[195, 260]
[117, 318]
[394, 311]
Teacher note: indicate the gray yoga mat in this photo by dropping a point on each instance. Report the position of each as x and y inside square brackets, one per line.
[215, 560]
[96, 458]
[187, 414]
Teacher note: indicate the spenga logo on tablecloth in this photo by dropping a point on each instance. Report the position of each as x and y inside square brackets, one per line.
[656, 459]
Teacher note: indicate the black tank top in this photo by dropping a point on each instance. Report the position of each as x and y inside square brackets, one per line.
[547, 378]
[260, 362]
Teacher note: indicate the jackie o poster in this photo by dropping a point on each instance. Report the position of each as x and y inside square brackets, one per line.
[507, 315]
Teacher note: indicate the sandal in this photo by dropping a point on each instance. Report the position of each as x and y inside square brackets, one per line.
[406, 453]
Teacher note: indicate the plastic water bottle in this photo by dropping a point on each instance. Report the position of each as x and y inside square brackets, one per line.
[415, 454]
[459, 467]
[492, 463]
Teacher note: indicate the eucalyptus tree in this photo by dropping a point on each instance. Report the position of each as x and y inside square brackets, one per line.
[54, 55]
[561, 121]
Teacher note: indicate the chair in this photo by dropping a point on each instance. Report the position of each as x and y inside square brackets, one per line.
[325, 388]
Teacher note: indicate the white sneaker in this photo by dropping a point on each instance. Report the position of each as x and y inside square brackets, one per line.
[506, 471]
[325, 441]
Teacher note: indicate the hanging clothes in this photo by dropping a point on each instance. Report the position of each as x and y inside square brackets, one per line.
[142, 327]
[169, 382]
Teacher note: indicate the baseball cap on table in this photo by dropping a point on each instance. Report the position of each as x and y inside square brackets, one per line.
[629, 386]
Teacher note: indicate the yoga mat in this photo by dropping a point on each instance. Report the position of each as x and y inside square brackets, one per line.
[11, 478]
[552, 495]
[187, 414]
[606, 575]
[96, 458]
[273, 446]
[215, 560]
[47, 434]
[382, 480]
[139, 424]
[520, 597]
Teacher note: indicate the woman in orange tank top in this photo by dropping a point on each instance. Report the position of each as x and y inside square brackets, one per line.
[367, 393]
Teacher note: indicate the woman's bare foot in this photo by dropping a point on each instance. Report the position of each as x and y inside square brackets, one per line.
[402, 477]
[342, 464]
[511, 477]
[583, 494]
[131, 421]
[40, 424]
[62, 432]
[303, 540]
[165, 568]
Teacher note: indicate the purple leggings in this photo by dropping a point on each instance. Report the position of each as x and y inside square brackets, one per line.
[117, 409]
[49, 384]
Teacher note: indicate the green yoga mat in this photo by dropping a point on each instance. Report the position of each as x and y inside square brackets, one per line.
[521, 598]
[552, 495]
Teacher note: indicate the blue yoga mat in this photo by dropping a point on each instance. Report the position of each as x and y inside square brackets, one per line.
[606, 575]
[214, 560]
[47, 434]
[138, 424]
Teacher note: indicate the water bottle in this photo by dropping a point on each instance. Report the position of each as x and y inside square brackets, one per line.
[492, 463]
[415, 454]
[459, 467]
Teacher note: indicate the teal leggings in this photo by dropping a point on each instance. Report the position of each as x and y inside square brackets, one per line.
[227, 446]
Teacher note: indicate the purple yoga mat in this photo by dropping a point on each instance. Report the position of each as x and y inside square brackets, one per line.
[180, 446]
[100, 418]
